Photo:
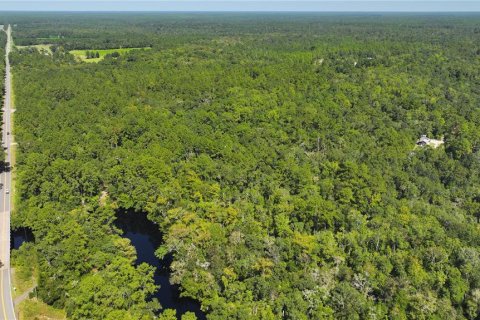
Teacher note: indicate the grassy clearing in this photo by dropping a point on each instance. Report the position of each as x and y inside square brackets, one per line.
[22, 279]
[39, 47]
[25, 272]
[51, 37]
[35, 309]
[82, 54]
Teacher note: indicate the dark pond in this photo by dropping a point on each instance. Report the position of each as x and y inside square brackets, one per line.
[19, 236]
[146, 238]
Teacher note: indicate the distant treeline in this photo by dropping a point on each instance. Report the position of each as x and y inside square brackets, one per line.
[74, 31]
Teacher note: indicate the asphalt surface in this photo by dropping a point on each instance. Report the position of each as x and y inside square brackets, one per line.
[7, 311]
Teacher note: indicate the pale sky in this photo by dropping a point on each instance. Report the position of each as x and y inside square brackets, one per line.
[244, 5]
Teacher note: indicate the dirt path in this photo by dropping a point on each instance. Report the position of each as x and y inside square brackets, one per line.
[23, 296]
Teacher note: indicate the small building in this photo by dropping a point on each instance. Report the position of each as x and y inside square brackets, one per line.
[426, 141]
[423, 141]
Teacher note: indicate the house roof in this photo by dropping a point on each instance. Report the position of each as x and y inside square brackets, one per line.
[424, 140]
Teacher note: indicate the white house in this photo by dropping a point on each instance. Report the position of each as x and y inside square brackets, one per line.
[425, 141]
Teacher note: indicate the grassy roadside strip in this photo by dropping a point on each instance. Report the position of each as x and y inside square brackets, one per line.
[35, 309]
[24, 270]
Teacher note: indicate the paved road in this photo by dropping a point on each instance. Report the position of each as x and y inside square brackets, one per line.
[6, 303]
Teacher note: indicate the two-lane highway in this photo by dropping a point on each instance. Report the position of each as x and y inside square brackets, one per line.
[7, 311]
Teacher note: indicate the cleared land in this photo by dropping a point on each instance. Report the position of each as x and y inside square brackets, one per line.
[82, 54]
[25, 273]
[39, 47]
[35, 309]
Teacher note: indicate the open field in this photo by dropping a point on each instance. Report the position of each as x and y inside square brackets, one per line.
[36, 309]
[82, 54]
[22, 277]
[39, 47]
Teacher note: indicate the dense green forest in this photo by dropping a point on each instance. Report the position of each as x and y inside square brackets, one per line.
[3, 42]
[276, 153]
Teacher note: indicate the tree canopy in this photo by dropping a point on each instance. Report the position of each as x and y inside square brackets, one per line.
[276, 153]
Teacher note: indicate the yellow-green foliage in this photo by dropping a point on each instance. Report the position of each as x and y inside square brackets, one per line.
[40, 48]
[35, 309]
[82, 54]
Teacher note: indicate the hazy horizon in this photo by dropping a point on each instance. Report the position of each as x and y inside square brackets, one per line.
[241, 6]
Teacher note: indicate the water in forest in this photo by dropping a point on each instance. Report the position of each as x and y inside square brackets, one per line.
[146, 238]
[19, 236]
